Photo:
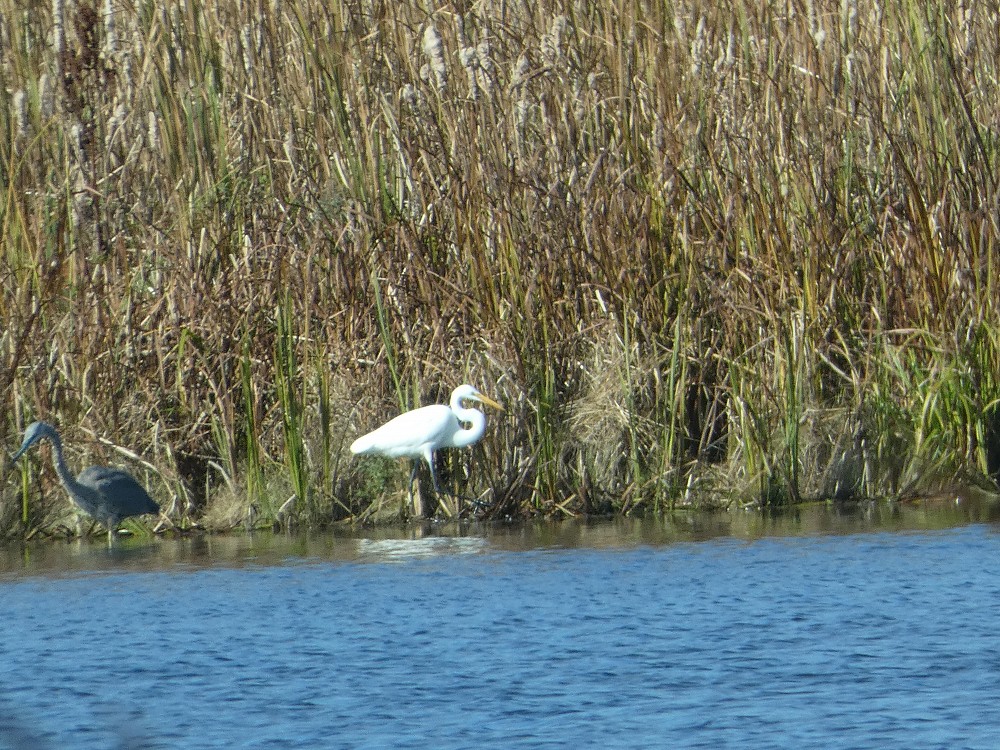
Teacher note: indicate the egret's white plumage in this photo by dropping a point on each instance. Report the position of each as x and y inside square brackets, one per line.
[418, 433]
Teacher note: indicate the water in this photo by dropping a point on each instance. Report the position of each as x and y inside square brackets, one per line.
[819, 629]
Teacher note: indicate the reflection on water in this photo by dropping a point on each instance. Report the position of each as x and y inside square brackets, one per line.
[431, 538]
[828, 626]
[388, 550]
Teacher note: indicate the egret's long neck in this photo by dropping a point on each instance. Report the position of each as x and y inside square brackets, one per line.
[468, 435]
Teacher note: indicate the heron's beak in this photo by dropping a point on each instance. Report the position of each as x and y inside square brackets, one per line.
[10, 460]
[490, 402]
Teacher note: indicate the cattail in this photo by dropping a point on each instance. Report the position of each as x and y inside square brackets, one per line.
[698, 47]
[467, 56]
[435, 56]
[127, 71]
[484, 68]
[408, 95]
[18, 103]
[968, 30]
[153, 132]
[58, 37]
[137, 45]
[815, 29]
[579, 106]
[659, 135]
[730, 57]
[110, 34]
[549, 48]
[521, 114]
[115, 124]
[518, 78]
[848, 20]
[46, 103]
[76, 141]
[176, 26]
[520, 73]
[246, 37]
[551, 42]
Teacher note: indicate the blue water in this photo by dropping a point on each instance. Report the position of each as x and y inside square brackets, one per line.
[866, 639]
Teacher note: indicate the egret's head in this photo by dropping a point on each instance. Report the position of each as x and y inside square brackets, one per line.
[36, 431]
[470, 393]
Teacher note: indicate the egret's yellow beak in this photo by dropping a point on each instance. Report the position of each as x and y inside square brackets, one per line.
[489, 402]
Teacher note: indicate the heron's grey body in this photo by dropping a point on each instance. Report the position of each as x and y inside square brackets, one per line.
[105, 493]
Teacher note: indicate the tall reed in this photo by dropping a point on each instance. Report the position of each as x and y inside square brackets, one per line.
[289, 386]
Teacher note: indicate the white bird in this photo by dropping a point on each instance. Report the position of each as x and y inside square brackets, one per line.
[418, 433]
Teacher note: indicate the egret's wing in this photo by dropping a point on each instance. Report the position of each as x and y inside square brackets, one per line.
[410, 433]
[124, 495]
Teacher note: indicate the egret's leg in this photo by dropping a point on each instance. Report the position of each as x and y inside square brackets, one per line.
[413, 476]
[437, 487]
[429, 458]
[415, 503]
[441, 495]
[442, 505]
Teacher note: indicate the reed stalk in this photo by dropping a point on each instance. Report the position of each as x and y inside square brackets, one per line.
[289, 384]
[251, 430]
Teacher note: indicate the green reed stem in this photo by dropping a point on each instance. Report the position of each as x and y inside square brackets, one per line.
[25, 496]
[325, 405]
[251, 428]
[288, 387]
[385, 332]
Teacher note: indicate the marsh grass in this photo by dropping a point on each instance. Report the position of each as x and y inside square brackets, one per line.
[706, 253]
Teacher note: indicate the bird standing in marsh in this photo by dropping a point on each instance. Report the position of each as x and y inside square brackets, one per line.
[105, 493]
[418, 433]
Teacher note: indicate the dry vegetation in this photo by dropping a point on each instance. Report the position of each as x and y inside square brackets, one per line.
[705, 252]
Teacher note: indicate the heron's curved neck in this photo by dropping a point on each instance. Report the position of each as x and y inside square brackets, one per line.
[59, 461]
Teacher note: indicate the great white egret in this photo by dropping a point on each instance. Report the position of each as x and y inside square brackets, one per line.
[104, 492]
[418, 433]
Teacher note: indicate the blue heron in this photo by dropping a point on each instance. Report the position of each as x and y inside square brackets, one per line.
[103, 492]
[418, 433]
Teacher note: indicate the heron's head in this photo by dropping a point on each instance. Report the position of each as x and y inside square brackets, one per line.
[36, 431]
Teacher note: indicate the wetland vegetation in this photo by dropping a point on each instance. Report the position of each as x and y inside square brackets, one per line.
[706, 253]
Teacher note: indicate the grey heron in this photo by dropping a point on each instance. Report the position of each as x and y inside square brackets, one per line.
[105, 493]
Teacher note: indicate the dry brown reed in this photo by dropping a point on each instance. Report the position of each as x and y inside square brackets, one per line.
[704, 251]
